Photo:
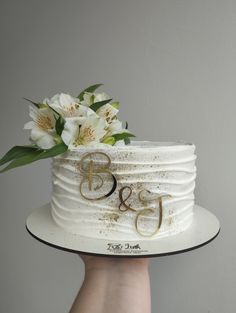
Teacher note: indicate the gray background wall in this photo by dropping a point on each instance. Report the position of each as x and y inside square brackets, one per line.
[172, 66]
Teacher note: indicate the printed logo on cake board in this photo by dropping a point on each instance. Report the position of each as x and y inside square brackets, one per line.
[125, 248]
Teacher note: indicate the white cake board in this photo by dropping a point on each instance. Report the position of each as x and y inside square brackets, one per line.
[205, 227]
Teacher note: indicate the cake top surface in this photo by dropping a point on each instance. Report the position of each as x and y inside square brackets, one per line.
[141, 145]
[157, 144]
[136, 151]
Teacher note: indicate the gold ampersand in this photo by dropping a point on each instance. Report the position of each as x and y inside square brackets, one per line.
[142, 212]
[90, 172]
[122, 200]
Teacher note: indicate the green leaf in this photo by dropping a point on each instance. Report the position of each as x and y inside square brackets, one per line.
[89, 89]
[60, 122]
[33, 102]
[39, 105]
[26, 159]
[122, 136]
[127, 140]
[109, 140]
[17, 152]
[35, 155]
[96, 105]
[116, 105]
[58, 149]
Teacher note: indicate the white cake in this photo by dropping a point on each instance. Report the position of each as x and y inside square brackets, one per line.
[144, 190]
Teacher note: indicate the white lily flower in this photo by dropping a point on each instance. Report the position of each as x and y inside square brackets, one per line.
[90, 98]
[100, 97]
[115, 127]
[71, 129]
[42, 127]
[67, 106]
[83, 131]
[108, 112]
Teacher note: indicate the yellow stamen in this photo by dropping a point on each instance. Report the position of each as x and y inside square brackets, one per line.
[86, 135]
[44, 122]
[71, 109]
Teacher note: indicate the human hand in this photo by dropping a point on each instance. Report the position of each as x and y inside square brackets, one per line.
[114, 284]
[92, 262]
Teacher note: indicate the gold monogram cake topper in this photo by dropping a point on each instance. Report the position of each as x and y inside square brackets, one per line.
[91, 171]
[143, 200]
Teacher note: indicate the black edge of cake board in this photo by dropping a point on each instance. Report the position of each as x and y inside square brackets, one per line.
[124, 256]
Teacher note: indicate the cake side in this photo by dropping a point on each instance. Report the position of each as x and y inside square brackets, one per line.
[139, 191]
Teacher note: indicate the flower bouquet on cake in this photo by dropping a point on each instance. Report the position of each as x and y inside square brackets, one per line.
[64, 122]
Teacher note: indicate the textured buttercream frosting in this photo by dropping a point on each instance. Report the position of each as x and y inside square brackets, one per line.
[130, 187]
